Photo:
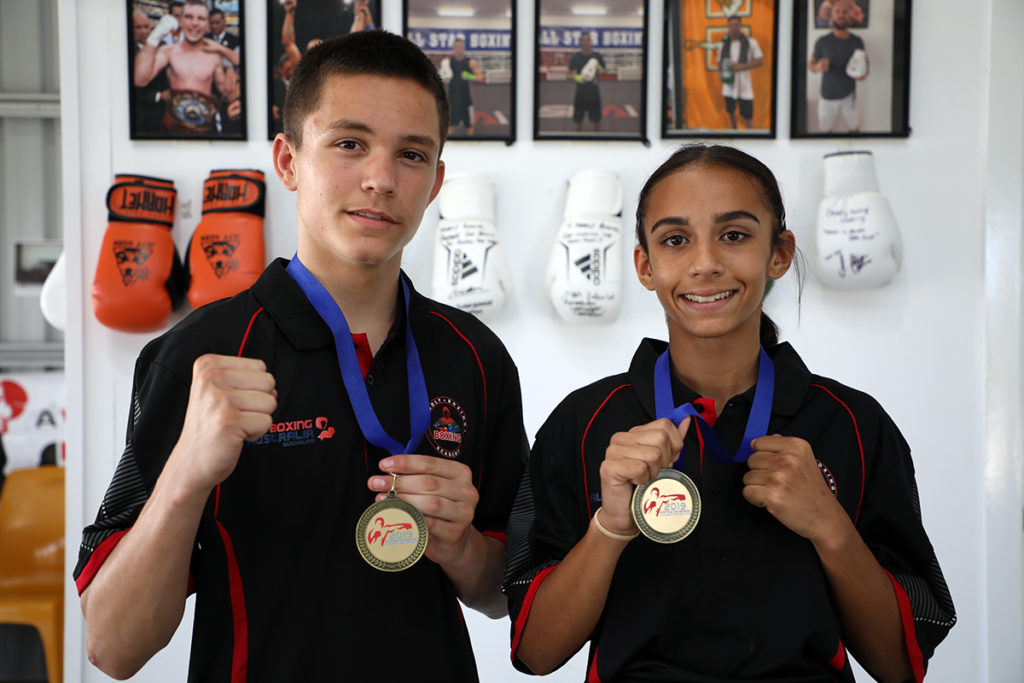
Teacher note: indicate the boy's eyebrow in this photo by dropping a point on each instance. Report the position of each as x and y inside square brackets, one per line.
[353, 124]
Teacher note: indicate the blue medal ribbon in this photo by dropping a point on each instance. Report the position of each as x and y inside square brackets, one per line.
[352, 376]
[757, 422]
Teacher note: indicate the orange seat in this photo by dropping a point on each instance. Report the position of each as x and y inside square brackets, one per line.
[32, 558]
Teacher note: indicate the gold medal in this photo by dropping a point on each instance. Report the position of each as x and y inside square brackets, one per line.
[667, 508]
[391, 534]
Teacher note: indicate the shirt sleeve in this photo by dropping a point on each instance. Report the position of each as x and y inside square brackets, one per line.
[891, 526]
[755, 50]
[157, 413]
[818, 52]
[548, 519]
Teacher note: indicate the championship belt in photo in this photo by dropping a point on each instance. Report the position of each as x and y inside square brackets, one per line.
[190, 112]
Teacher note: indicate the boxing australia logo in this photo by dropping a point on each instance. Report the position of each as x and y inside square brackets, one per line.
[297, 432]
[447, 426]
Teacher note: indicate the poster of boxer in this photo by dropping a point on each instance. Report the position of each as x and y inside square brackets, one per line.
[590, 78]
[473, 47]
[294, 26]
[185, 73]
[851, 68]
[720, 68]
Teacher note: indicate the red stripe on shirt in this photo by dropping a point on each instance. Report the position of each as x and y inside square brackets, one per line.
[495, 534]
[860, 447]
[480, 365]
[483, 378]
[96, 560]
[248, 329]
[524, 611]
[583, 445]
[909, 632]
[240, 626]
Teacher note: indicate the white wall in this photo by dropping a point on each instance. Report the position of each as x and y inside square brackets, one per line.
[923, 345]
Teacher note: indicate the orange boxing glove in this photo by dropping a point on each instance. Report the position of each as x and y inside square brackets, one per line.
[139, 277]
[226, 254]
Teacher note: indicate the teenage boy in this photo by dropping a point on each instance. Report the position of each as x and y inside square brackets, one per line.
[249, 460]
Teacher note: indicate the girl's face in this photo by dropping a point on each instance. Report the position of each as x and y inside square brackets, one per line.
[709, 251]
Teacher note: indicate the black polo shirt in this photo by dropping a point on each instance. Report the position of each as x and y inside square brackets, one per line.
[282, 593]
[742, 597]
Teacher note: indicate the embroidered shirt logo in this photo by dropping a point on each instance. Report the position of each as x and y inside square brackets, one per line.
[297, 432]
[447, 426]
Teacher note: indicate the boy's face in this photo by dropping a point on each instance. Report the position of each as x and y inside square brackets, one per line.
[367, 169]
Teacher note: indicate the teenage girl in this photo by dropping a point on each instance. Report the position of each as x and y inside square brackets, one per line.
[809, 539]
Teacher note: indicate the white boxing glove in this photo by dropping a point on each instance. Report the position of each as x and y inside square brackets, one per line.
[858, 241]
[166, 24]
[589, 70]
[857, 65]
[470, 270]
[53, 295]
[445, 70]
[584, 274]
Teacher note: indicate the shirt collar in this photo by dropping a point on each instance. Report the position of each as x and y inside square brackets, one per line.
[291, 311]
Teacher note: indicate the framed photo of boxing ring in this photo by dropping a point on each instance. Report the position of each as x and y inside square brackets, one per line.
[474, 49]
[851, 69]
[185, 70]
[590, 78]
[294, 26]
[720, 68]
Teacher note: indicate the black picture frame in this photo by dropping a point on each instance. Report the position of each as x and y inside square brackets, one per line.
[208, 108]
[880, 105]
[483, 104]
[566, 110]
[695, 100]
[308, 21]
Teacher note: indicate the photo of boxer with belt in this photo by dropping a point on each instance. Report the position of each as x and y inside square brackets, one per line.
[195, 68]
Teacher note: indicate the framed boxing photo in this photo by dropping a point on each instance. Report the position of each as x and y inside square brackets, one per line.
[473, 47]
[851, 68]
[590, 78]
[720, 68]
[294, 26]
[186, 79]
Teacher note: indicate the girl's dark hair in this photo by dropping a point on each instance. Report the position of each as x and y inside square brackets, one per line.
[729, 157]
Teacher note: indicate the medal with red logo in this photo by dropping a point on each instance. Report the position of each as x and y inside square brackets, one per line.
[391, 534]
[667, 508]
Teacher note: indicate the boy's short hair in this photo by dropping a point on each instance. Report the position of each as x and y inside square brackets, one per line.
[375, 53]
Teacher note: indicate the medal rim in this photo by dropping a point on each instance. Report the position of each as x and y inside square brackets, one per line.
[646, 529]
[364, 522]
